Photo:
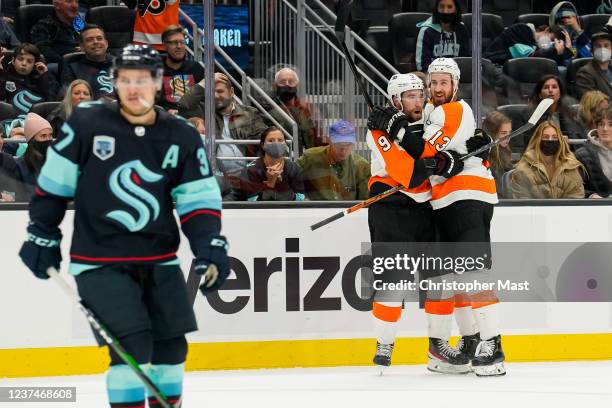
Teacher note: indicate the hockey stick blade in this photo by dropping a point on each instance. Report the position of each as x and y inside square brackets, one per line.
[533, 120]
[110, 340]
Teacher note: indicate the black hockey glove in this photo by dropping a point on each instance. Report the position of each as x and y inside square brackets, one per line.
[448, 163]
[412, 141]
[478, 140]
[388, 119]
[41, 250]
[212, 263]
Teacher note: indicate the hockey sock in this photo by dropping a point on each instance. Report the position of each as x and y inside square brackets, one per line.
[386, 316]
[439, 317]
[124, 388]
[464, 315]
[169, 380]
[485, 306]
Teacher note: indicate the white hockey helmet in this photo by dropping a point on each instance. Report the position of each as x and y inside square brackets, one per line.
[400, 83]
[445, 66]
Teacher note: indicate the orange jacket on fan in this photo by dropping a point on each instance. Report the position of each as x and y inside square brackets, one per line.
[449, 126]
[390, 164]
[152, 18]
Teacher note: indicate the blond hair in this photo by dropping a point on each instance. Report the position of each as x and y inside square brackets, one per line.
[564, 153]
[588, 105]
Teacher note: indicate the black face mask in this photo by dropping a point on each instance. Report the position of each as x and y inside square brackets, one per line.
[549, 147]
[41, 147]
[286, 93]
[446, 17]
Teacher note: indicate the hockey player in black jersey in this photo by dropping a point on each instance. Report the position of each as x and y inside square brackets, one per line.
[124, 164]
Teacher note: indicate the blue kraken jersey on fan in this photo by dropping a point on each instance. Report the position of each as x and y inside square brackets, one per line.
[124, 180]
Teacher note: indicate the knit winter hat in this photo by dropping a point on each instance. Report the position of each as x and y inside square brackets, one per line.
[34, 123]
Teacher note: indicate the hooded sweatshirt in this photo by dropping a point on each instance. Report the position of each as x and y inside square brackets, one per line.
[580, 42]
[434, 43]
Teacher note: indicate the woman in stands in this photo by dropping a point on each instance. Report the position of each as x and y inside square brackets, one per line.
[442, 35]
[596, 157]
[548, 169]
[560, 113]
[591, 103]
[272, 177]
[77, 92]
[498, 126]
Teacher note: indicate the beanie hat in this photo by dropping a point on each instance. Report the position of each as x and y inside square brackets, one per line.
[34, 123]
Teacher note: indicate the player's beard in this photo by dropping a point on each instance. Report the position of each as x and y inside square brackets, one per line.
[437, 101]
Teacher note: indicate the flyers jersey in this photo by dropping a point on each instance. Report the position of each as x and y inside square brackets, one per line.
[391, 165]
[152, 18]
[449, 126]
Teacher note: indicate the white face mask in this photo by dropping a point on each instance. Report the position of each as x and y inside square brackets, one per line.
[602, 54]
[544, 42]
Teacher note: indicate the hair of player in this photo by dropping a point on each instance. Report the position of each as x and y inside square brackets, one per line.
[90, 27]
[67, 101]
[172, 30]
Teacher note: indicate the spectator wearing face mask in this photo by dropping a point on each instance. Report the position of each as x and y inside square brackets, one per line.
[564, 14]
[597, 74]
[442, 35]
[272, 177]
[596, 156]
[19, 175]
[548, 169]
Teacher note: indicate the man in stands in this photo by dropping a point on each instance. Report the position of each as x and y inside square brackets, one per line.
[597, 74]
[94, 65]
[58, 34]
[180, 74]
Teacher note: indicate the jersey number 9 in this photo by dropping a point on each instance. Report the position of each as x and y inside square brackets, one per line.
[384, 143]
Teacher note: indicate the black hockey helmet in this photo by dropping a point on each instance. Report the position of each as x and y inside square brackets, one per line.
[136, 56]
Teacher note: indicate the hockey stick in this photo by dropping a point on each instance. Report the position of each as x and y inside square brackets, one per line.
[110, 339]
[535, 117]
[342, 14]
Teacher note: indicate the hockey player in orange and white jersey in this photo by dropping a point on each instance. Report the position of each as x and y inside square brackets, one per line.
[462, 196]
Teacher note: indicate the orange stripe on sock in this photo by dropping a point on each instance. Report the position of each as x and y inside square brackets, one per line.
[440, 307]
[386, 313]
[462, 300]
[483, 299]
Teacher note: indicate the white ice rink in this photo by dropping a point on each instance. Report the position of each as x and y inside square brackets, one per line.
[572, 385]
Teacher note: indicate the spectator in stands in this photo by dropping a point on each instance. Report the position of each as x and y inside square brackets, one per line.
[8, 39]
[233, 121]
[152, 18]
[58, 34]
[78, 91]
[596, 157]
[334, 172]
[285, 87]
[26, 80]
[94, 65]
[180, 74]
[560, 113]
[20, 174]
[564, 14]
[498, 126]
[548, 169]
[590, 103]
[442, 35]
[597, 74]
[272, 177]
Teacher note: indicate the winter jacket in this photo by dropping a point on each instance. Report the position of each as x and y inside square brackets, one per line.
[177, 83]
[432, 43]
[24, 91]
[581, 42]
[8, 39]
[53, 38]
[95, 73]
[597, 160]
[16, 177]
[301, 112]
[590, 77]
[530, 180]
[324, 180]
[289, 186]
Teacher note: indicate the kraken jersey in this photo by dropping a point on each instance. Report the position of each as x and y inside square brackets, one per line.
[449, 126]
[123, 179]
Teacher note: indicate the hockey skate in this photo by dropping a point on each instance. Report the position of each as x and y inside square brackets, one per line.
[442, 358]
[489, 358]
[467, 345]
[382, 358]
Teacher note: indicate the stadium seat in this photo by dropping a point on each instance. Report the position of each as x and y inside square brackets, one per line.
[7, 111]
[465, 81]
[117, 22]
[403, 34]
[426, 6]
[27, 16]
[44, 108]
[508, 10]
[518, 114]
[572, 70]
[67, 59]
[377, 12]
[536, 19]
[492, 26]
[593, 23]
[506, 185]
[528, 71]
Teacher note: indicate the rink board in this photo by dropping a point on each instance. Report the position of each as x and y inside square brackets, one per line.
[275, 315]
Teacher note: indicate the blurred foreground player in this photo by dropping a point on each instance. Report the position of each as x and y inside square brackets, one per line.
[124, 164]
